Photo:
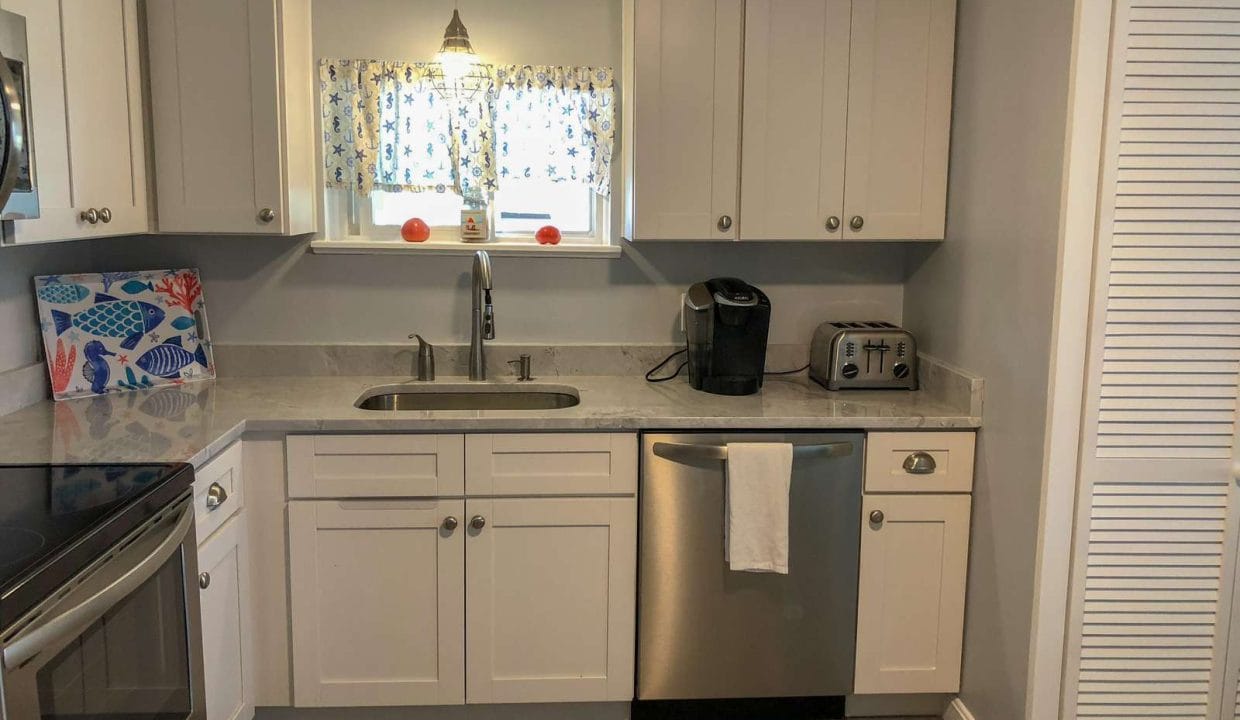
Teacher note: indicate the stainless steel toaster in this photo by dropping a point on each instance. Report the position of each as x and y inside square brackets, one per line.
[863, 354]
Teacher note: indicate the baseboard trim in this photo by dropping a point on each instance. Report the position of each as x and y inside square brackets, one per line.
[957, 711]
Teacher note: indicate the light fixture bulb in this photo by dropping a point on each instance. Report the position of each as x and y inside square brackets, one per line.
[457, 73]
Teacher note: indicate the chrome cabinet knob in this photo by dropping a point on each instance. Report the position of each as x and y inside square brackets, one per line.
[857, 222]
[105, 215]
[91, 216]
[833, 223]
[204, 580]
[216, 495]
[920, 463]
[266, 215]
[725, 222]
[877, 517]
[477, 522]
[450, 523]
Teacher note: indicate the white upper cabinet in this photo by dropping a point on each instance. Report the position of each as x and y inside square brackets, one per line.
[899, 119]
[845, 113]
[233, 121]
[794, 116]
[682, 119]
[86, 119]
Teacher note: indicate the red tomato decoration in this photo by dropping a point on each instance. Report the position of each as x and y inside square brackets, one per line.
[548, 235]
[415, 230]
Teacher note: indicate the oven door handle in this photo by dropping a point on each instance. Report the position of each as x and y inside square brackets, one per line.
[14, 140]
[692, 452]
[48, 632]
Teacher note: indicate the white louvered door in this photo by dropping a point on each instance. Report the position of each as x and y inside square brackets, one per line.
[1154, 571]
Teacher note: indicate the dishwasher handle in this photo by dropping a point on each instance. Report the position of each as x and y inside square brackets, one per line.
[692, 452]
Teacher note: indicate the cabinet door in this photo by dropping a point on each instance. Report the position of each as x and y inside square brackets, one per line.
[222, 153]
[684, 118]
[86, 118]
[899, 119]
[551, 587]
[910, 601]
[794, 119]
[377, 602]
[224, 569]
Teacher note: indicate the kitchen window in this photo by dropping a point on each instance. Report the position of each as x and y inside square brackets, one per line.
[533, 149]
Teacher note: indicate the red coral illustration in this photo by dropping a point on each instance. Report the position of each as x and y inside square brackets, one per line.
[182, 289]
[62, 366]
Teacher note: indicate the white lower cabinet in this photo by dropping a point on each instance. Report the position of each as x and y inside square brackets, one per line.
[910, 600]
[377, 601]
[550, 597]
[443, 601]
[224, 579]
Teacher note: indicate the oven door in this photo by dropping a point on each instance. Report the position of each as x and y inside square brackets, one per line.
[123, 642]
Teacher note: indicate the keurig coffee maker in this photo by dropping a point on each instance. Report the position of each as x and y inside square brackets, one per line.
[726, 322]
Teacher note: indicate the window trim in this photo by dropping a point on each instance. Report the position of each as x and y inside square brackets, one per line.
[348, 230]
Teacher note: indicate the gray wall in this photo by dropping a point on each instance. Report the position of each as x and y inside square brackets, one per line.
[270, 290]
[983, 300]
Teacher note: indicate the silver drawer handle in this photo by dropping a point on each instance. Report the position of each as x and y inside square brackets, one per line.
[690, 452]
[216, 495]
[920, 463]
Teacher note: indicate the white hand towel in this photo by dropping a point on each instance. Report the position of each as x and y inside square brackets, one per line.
[755, 537]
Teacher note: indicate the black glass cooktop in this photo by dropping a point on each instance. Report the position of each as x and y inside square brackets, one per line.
[55, 519]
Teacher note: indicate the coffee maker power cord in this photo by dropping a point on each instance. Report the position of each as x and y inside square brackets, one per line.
[663, 363]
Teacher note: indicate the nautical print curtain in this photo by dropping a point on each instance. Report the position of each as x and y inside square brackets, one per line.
[385, 128]
[556, 123]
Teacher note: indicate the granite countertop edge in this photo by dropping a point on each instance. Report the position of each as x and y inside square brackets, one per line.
[195, 421]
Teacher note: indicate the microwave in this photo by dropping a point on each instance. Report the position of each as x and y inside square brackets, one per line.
[19, 193]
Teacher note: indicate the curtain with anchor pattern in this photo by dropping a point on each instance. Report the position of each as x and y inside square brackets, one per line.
[385, 128]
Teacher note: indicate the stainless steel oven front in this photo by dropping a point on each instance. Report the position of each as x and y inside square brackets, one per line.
[121, 640]
[19, 192]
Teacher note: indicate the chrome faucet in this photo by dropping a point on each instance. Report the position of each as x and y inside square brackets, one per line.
[483, 316]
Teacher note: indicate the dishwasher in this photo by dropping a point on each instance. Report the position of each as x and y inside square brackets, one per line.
[705, 632]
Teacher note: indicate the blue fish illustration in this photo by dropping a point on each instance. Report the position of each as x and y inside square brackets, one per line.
[133, 287]
[184, 323]
[95, 369]
[110, 317]
[109, 278]
[167, 359]
[63, 294]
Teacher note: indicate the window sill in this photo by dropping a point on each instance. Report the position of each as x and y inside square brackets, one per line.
[498, 249]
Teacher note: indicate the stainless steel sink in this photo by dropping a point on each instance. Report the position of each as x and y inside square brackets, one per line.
[472, 396]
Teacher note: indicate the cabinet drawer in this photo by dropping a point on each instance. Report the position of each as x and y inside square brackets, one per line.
[945, 459]
[350, 466]
[219, 492]
[552, 464]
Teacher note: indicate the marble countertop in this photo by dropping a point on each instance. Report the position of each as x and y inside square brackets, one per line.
[194, 421]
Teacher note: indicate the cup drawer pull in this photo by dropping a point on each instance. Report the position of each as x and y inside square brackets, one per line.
[920, 463]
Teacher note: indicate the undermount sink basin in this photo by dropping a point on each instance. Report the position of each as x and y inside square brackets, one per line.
[472, 396]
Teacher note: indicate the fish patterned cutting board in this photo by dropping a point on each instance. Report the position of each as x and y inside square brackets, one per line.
[116, 331]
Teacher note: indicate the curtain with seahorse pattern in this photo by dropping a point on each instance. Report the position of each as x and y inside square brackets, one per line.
[385, 128]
